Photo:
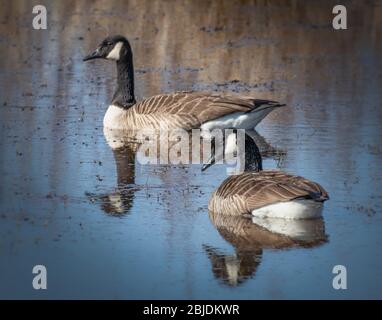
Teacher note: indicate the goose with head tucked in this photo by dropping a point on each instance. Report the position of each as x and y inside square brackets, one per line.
[179, 110]
[264, 194]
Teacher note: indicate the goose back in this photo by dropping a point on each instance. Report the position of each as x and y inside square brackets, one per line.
[241, 194]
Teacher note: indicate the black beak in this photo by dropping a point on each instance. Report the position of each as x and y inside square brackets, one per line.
[94, 55]
[210, 162]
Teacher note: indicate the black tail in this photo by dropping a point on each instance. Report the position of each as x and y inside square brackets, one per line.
[260, 104]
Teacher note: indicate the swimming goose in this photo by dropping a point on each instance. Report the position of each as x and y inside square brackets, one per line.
[186, 110]
[270, 193]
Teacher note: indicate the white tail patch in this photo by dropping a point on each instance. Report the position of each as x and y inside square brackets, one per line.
[115, 53]
[295, 209]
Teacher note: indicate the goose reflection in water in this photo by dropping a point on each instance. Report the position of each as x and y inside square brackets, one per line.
[125, 147]
[120, 200]
[249, 237]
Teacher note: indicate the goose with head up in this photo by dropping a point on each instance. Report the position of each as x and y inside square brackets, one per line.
[264, 194]
[185, 110]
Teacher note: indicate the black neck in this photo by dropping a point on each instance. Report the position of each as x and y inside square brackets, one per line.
[253, 160]
[124, 95]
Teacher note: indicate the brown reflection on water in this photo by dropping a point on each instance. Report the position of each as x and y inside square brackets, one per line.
[261, 46]
[120, 200]
[250, 239]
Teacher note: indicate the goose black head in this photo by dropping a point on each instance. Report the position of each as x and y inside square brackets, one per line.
[252, 156]
[114, 48]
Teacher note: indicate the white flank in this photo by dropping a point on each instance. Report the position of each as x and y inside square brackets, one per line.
[237, 120]
[115, 53]
[231, 146]
[295, 209]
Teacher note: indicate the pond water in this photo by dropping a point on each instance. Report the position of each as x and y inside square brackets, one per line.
[107, 227]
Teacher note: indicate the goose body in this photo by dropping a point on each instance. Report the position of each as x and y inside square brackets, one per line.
[266, 194]
[271, 194]
[189, 110]
[185, 110]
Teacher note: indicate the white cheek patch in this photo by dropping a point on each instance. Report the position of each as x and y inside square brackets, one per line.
[230, 147]
[115, 53]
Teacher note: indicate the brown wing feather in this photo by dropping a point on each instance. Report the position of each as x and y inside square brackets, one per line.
[199, 107]
[243, 193]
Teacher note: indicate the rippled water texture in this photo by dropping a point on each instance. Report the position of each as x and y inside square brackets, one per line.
[107, 227]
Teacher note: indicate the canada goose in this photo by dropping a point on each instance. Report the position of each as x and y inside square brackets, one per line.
[186, 110]
[270, 193]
